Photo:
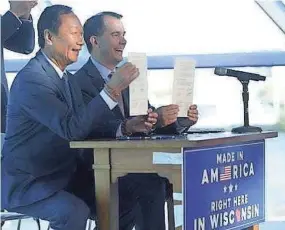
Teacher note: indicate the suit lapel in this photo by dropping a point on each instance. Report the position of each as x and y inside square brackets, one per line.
[52, 74]
[94, 75]
[98, 82]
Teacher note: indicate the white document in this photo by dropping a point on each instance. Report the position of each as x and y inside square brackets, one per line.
[139, 87]
[167, 158]
[183, 84]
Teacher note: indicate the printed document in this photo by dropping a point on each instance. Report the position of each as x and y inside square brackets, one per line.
[183, 84]
[139, 87]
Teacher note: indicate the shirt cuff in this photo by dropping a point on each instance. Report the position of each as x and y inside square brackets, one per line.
[109, 101]
[119, 131]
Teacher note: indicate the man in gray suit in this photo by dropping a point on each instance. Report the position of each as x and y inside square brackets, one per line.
[18, 35]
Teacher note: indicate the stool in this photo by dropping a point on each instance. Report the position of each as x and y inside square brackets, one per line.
[88, 224]
[8, 216]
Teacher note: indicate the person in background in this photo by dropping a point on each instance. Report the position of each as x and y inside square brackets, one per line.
[18, 35]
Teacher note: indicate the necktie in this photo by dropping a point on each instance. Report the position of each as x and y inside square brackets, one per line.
[67, 90]
[120, 98]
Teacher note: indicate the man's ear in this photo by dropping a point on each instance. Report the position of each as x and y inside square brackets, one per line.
[48, 37]
[94, 41]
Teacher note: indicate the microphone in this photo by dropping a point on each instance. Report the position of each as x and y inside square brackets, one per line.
[243, 76]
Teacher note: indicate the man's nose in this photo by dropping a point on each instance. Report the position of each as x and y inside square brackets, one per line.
[81, 41]
[124, 41]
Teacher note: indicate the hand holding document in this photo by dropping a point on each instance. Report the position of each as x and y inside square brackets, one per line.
[139, 87]
[183, 84]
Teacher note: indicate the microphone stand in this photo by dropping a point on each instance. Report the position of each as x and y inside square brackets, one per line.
[246, 128]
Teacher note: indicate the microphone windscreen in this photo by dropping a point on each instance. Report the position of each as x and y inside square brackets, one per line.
[220, 71]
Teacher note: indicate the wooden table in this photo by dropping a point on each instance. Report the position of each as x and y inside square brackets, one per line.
[113, 159]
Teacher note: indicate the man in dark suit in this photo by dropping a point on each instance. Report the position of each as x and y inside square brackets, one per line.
[45, 112]
[18, 35]
[104, 36]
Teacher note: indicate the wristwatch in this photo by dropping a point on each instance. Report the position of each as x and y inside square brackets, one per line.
[111, 92]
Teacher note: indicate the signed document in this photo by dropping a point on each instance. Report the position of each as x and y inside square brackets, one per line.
[183, 84]
[139, 87]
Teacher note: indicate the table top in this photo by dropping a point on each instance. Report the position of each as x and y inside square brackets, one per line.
[190, 140]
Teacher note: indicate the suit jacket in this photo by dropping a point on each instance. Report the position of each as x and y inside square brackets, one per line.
[18, 37]
[41, 120]
[91, 83]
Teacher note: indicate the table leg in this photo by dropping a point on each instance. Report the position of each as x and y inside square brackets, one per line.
[254, 227]
[101, 169]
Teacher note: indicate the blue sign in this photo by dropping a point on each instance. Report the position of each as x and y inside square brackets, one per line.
[223, 186]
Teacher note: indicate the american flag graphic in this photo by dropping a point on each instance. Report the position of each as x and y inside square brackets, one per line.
[225, 173]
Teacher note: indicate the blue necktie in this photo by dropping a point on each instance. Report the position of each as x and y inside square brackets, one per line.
[67, 89]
